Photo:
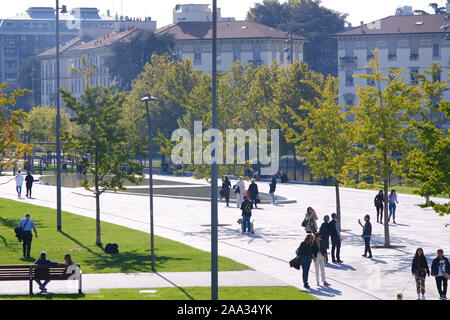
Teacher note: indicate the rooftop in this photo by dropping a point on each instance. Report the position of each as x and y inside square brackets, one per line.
[412, 24]
[225, 30]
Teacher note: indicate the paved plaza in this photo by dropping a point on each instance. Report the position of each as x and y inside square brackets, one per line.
[278, 234]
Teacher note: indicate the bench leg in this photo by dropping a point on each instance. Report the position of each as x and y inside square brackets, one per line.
[80, 291]
[31, 287]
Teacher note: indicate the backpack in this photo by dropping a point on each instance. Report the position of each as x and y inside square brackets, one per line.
[236, 189]
[112, 248]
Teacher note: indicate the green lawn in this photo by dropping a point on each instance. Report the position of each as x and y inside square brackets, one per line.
[189, 293]
[78, 239]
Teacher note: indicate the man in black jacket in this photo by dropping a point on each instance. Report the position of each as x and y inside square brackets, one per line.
[367, 234]
[246, 208]
[273, 187]
[325, 234]
[335, 240]
[253, 189]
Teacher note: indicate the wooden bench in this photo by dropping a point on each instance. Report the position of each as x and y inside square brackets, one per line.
[38, 272]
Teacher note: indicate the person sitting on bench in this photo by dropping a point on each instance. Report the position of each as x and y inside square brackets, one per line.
[44, 262]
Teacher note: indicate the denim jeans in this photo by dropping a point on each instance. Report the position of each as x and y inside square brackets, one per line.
[42, 285]
[274, 199]
[246, 222]
[305, 266]
[19, 190]
[392, 208]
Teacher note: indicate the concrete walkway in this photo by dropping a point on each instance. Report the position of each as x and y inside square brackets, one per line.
[94, 282]
[278, 233]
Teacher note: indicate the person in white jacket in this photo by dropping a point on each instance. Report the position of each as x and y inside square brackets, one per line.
[239, 195]
[19, 183]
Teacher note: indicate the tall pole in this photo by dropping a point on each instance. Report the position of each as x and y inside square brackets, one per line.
[58, 128]
[150, 185]
[214, 167]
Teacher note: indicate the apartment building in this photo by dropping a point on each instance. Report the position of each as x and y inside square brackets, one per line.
[246, 41]
[405, 41]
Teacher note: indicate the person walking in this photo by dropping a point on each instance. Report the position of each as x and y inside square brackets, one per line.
[246, 208]
[310, 219]
[225, 191]
[273, 187]
[43, 261]
[366, 235]
[379, 205]
[335, 239]
[29, 184]
[319, 252]
[420, 270]
[239, 191]
[393, 201]
[26, 225]
[253, 188]
[305, 252]
[440, 269]
[325, 235]
[19, 183]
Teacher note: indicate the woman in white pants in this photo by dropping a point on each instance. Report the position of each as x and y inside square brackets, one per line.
[319, 252]
[239, 195]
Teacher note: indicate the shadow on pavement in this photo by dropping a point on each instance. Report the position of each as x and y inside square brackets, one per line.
[176, 286]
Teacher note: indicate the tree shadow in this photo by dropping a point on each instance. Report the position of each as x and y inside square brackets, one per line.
[341, 266]
[9, 223]
[130, 261]
[28, 259]
[80, 244]
[3, 239]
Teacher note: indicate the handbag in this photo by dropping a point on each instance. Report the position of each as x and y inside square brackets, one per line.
[19, 231]
[236, 189]
[295, 263]
[305, 223]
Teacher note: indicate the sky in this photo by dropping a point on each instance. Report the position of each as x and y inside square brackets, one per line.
[161, 10]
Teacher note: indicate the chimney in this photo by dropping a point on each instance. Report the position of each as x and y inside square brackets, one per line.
[362, 27]
[108, 13]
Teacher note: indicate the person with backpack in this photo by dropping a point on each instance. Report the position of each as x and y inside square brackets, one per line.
[19, 183]
[420, 270]
[29, 184]
[25, 227]
[325, 235]
[225, 191]
[379, 205]
[440, 269]
[366, 235]
[246, 208]
[305, 252]
[239, 191]
[272, 189]
[318, 254]
[253, 189]
[393, 201]
[335, 239]
[309, 223]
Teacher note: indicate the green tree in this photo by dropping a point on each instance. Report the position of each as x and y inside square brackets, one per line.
[103, 143]
[326, 141]
[40, 124]
[309, 19]
[129, 57]
[381, 129]
[12, 148]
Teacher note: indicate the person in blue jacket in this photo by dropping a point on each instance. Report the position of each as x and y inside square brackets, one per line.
[367, 234]
[44, 261]
[440, 269]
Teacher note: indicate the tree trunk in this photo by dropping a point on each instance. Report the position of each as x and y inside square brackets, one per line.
[98, 240]
[338, 204]
[387, 238]
[427, 199]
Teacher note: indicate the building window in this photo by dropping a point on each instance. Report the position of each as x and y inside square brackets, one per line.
[349, 78]
[436, 50]
[370, 82]
[392, 51]
[236, 53]
[414, 51]
[349, 50]
[198, 58]
[370, 48]
[257, 56]
[414, 73]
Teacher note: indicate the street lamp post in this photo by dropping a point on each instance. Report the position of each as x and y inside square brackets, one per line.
[214, 167]
[58, 123]
[148, 99]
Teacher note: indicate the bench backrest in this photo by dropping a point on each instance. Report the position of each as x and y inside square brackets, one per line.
[37, 272]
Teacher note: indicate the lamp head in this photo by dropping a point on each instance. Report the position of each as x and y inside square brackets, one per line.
[64, 9]
[149, 98]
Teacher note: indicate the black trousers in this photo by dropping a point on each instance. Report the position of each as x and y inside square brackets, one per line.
[380, 214]
[441, 284]
[367, 249]
[254, 202]
[26, 242]
[29, 190]
[336, 249]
